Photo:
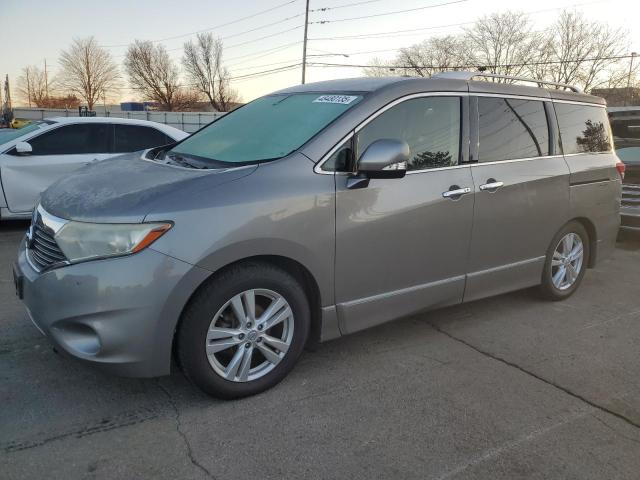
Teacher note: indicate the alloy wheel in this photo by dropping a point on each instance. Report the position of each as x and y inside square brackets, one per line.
[567, 261]
[250, 335]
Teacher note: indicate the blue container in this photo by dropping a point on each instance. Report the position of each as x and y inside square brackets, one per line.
[132, 106]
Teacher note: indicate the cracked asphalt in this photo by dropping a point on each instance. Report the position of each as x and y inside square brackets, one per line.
[505, 388]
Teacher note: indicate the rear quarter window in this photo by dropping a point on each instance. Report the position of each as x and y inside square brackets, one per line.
[583, 128]
[131, 138]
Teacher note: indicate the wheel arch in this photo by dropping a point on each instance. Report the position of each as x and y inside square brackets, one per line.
[299, 271]
[593, 238]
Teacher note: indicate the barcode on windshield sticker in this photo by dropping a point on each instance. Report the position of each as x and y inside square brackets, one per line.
[342, 99]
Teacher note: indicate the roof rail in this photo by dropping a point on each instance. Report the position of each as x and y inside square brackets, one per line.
[463, 75]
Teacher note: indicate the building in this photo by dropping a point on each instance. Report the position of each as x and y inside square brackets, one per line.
[619, 97]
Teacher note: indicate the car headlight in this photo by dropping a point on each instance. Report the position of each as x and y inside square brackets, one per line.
[83, 241]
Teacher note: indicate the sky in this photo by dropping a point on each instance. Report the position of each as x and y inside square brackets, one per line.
[35, 30]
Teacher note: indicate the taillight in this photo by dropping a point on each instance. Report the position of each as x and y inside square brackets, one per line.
[620, 167]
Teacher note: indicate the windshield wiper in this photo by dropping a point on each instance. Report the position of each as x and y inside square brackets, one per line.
[183, 162]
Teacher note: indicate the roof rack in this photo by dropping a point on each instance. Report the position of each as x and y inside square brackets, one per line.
[463, 75]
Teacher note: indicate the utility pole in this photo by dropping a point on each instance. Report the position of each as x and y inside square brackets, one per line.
[304, 45]
[28, 88]
[629, 91]
[6, 107]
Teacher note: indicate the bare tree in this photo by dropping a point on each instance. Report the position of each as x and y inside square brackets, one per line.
[187, 99]
[202, 61]
[573, 51]
[381, 68]
[504, 43]
[577, 51]
[88, 71]
[34, 87]
[152, 72]
[65, 101]
[424, 59]
[435, 55]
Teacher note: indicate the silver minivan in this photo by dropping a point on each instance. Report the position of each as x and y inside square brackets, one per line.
[315, 212]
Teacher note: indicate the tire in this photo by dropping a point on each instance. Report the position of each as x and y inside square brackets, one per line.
[214, 316]
[557, 290]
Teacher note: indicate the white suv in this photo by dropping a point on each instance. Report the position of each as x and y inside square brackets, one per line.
[35, 156]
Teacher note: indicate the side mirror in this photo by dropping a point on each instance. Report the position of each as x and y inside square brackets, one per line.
[385, 158]
[23, 148]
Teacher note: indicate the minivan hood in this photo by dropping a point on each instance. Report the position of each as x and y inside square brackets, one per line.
[124, 189]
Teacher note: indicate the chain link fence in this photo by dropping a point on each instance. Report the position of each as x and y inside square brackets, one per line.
[186, 121]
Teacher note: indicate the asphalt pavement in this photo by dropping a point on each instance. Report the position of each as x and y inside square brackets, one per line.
[511, 387]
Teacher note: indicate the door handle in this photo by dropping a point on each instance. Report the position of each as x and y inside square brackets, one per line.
[456, 192]
[492, 186]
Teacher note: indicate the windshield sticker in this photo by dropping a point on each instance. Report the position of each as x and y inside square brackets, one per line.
[341, 99]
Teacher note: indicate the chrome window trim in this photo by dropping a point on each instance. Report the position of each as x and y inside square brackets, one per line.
[438, 169]
[411, 96]
[514, 160]
[543, 99]
[508, 95]
[572, 102]
[318, 166]
[606, 152]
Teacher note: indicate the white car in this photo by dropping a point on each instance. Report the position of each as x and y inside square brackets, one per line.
[35, 156]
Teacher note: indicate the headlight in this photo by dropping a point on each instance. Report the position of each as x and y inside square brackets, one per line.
[82, 241]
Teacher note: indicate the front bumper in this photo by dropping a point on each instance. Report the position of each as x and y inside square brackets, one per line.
[118, 314]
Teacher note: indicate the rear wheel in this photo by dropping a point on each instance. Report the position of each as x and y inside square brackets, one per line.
[566, 262]
[244, 331]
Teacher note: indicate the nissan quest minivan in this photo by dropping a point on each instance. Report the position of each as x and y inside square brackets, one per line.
[315, 212]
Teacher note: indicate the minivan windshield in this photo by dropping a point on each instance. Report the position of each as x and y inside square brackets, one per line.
[268, 128]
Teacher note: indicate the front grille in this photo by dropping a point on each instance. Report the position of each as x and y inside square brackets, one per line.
[43, 249]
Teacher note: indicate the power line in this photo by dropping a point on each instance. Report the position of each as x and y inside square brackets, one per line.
[267, 64]
[324, 9]
[366, 36]
[391, 13]
[226, 37]
[237, 44]
[387, 34]
[262, 53]
[236, 78]
[262, 38]
[216, 26]
[266, 72]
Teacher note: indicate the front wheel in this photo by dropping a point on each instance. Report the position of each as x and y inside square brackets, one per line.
[244, 331]
[566, 262]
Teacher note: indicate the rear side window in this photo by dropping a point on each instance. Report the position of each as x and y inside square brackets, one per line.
[510, 128]
[583, 128]
[73, 139]
[430, 125]
[131, 138]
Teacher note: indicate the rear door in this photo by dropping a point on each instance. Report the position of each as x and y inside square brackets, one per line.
[522, 194]
[131, 138]
[401, 245]
[56, 153]
[595, 183]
